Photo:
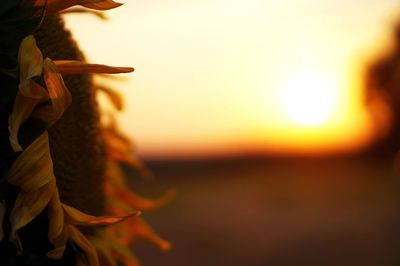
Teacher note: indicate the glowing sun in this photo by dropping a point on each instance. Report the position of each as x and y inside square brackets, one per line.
[308, 99]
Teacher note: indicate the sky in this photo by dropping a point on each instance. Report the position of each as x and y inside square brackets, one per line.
[218, 77]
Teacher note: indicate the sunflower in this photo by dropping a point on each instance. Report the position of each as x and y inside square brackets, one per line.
[63, 200]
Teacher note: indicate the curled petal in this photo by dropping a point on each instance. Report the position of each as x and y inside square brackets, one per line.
[57, 92]
[76, 217]
[67, 67]
[22, 109]
[33, 168]
[30, 60]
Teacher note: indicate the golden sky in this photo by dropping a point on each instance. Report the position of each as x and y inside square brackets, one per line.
[216, 76]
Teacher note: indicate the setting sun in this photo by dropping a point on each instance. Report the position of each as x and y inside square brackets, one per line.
[308, 99]
[255, 76]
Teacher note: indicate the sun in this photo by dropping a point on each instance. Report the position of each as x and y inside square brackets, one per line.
[308, 99]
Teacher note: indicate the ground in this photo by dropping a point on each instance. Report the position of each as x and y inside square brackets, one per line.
[342, 211]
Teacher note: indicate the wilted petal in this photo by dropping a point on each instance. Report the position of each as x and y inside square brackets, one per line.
[67, 67]
[54, 6]
[30, 61]
[76, 217]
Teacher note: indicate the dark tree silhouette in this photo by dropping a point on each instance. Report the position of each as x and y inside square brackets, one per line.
[383, 98]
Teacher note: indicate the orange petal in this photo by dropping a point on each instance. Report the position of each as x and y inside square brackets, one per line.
[58, 93]
[67, 67]
[30, 61]
[22, 109]
[54, 6]
[89, 256]
[76, 217]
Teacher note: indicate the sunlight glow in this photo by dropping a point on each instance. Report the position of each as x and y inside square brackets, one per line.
[308, 99]
[240, 81]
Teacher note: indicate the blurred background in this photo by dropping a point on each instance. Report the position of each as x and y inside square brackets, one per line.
[277, 121]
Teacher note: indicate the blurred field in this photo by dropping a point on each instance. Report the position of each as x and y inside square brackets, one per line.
[275, 212]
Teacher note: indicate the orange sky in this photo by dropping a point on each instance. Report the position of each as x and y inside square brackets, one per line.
[210, 74]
